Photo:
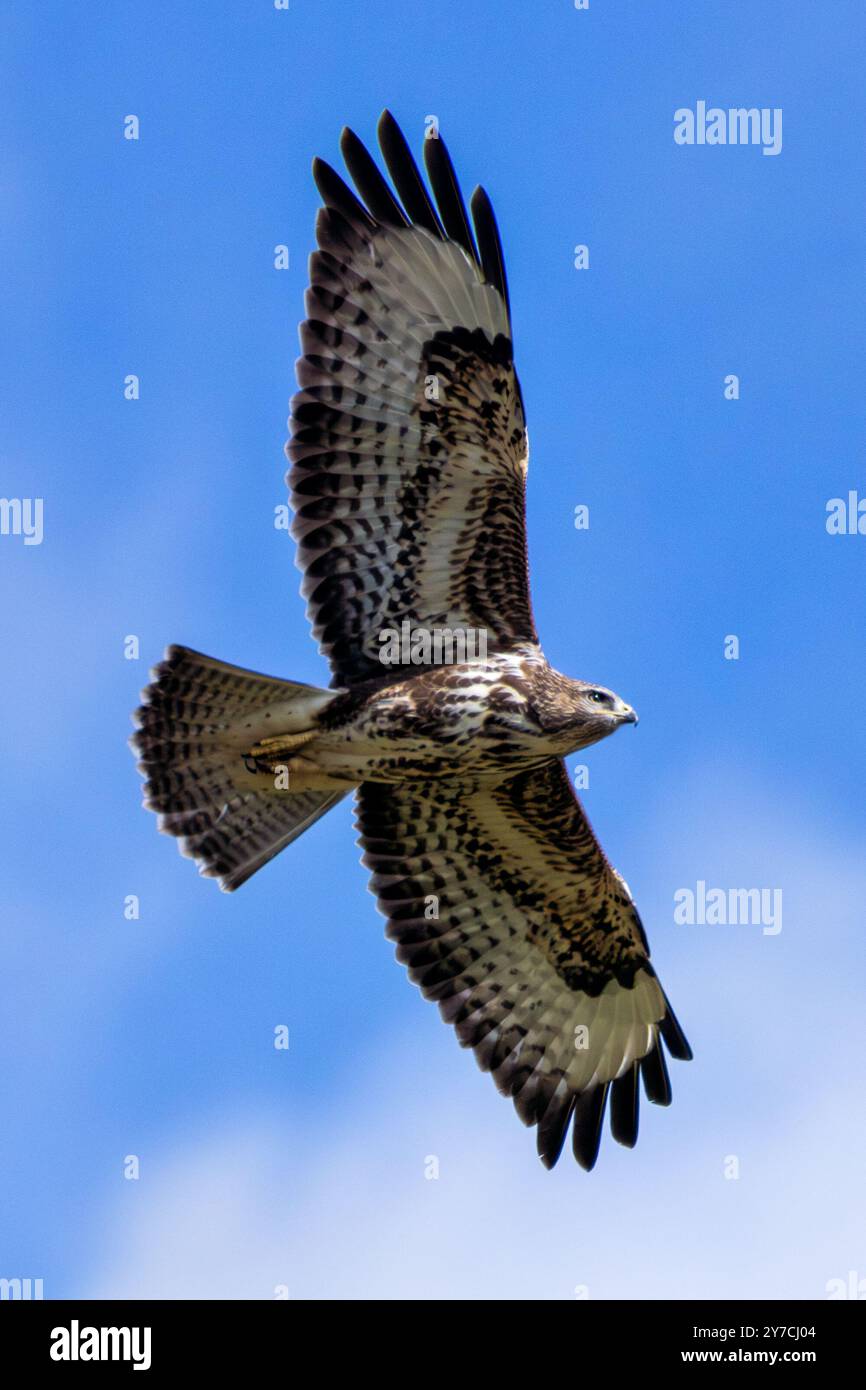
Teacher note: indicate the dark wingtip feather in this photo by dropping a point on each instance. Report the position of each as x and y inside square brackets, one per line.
[625, 1108]
[404, 171]
[588, 1120]
[336, 194]
[675, 1038]
[656, 1082]
[552, 1130]
[369, 181]
[489, 245]
[449, 199]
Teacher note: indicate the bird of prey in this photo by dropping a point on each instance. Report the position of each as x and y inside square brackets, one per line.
[409, 455]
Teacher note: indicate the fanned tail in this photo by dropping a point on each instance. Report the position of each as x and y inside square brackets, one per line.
[198, 720]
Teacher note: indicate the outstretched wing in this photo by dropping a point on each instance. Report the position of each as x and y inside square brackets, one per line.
[507, 913]
[408, 440]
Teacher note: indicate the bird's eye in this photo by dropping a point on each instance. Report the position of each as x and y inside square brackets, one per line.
[598, 697]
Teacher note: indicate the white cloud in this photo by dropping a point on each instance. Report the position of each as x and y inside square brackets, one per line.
[336, 1204]
[344, 1210]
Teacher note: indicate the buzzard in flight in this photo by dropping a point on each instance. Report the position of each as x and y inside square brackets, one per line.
[409, 454]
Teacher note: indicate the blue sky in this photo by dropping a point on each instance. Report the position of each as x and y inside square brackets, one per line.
[305, 1169]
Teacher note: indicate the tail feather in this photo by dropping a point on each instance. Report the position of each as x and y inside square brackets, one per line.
[198, 719]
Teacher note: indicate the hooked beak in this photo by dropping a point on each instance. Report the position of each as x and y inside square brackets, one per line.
[627, 715]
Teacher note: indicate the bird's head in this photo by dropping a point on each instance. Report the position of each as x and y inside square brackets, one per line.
[597, 702]
[583, 713]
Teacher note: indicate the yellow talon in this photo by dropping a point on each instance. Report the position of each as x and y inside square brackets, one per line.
[281, 743]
